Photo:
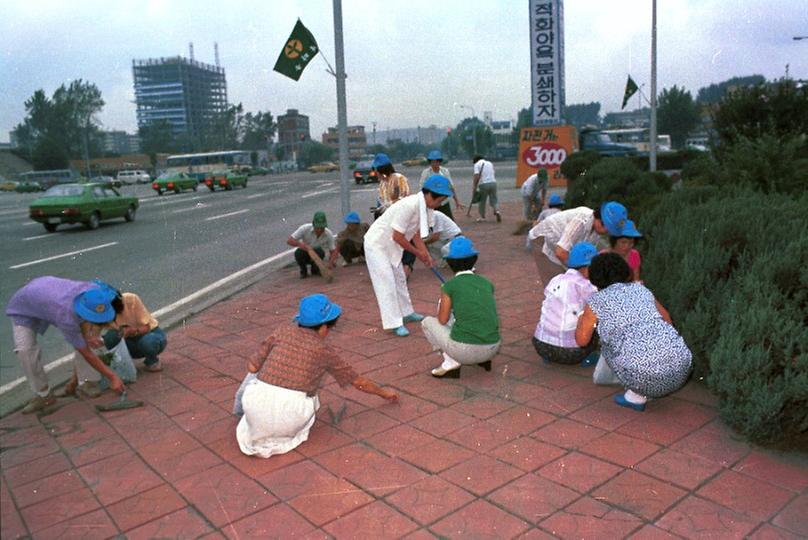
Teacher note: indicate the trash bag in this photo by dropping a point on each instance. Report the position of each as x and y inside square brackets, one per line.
[603, 374]
[237, 409]
[122, 364]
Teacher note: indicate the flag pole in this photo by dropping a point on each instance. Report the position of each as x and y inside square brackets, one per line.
[652, 159]
[342, 112]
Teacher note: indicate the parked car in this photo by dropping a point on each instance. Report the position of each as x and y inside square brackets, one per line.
[134, 177]
[415, 162]
[106, 180]
[258, 171]
[175, 182]
[325, 166]
[364, 172]
[225, 180]
[8, 185]
[81, 203]
[28, 187]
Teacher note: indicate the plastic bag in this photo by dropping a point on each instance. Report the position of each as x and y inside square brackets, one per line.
[122, 364]
[237, 408]
[603, 374]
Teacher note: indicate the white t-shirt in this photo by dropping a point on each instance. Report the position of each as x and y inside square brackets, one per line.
[447, 228]
[487, 174]
[409, 216]
[326, 241]
[565, 229]
[531, 189]
[426, 173]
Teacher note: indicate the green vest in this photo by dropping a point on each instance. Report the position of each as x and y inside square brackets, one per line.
[474, 308]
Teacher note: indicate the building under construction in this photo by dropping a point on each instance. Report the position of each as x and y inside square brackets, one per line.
[185, 92]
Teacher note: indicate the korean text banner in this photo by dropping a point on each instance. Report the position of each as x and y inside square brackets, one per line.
[547, 61]
[298, 51]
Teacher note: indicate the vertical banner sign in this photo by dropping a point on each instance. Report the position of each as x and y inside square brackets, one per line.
[547, 61]
[545, 148]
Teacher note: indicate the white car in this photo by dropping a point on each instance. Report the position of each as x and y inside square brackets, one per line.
[134, 177]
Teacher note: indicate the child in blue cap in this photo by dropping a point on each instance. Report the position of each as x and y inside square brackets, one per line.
[350, 241]
[473, 336]
[280, 401]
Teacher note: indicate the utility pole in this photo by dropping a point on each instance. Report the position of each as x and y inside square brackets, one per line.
[652, 159]
[342, 109]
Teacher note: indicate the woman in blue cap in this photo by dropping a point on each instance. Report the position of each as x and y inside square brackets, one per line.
[435, 159]
[280, 403]
[393, 186]
[623, 245]
[466, 329]
[75, 308]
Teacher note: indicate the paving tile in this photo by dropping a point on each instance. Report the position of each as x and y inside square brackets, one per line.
[119, 477]
[442, 422]
[785, 470]
[527, 453]
[376, 520]
[429, 499]
[649, 532]
[714, 442]
[94, 441]
[144, 507]
[625, 451]
[482, 406]
[653, 429]
[297, 479]
[27, 445]
[58, 509]
[323, 438]
[533, 498]
[522, 420]
[421, 534]
[223, 494]
[206, 434]
[437, 456]
[408, 407]
[678, 468]
[605, 415]
[588, 518]
[639, 494]
[536, 534]
[483, 435]
[93, 525]
[366, 424]
[673, 409]
[203, 416]
[330, 499]
[36, 469]
[173, 468]
[579, 472]
[755, 498]
[481, 474]
[278, 521]
[480, 519]
[45, 488]
[568, 433]
[185, 523]
[793, 517]
[400, 440]
[10, 520]
[254, 467]
[698, 518]
[770, 532]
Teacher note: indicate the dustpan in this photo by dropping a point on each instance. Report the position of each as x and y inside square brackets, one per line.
[121, 404]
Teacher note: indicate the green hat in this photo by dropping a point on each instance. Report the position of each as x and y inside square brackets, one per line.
[319, 220]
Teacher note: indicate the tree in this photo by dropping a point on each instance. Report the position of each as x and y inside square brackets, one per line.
[678, 114]
[716, 92]
[155, 138]
[582, 114]
[474, 135]
[225, 130]
[259, 129]
[523, 119]
[312, 152]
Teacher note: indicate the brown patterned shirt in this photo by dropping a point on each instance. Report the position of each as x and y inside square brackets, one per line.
[393, 188]
[297, 358]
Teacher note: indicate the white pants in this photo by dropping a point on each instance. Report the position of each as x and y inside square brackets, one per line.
[390, 286]
[439, 336]
[30, 357]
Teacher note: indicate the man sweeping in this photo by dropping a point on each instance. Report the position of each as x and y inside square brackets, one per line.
[312, 239]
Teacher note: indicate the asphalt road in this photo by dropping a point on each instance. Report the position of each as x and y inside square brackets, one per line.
[178, 243]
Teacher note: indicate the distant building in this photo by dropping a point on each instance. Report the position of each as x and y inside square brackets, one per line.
[13, 139]
[186, 93]
[121, 142]
[638, 118]
[293, 131]
[502, 132]
[429, 136]
[357, 140]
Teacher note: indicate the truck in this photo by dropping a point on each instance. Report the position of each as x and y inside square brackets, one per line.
[600, 142]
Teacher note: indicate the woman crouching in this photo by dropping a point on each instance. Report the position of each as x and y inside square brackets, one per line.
[637, 338]
[281, 402]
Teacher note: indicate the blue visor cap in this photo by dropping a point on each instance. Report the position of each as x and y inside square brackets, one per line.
[461, 248]
[438, 184]
[381, 159]
[581, 255]
[353, 217]
[317, 309]
[630, 230]
[614, 217]
[555, 199]
[94, 305]
[434, 155]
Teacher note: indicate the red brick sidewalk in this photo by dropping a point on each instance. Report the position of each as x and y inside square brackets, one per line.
[528, 450]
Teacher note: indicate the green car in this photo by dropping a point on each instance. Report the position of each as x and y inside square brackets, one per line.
[175, 182]
[28, 187]
[225, 180]
[81, 203]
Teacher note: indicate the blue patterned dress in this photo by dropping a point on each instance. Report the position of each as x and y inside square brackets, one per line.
[646, 354]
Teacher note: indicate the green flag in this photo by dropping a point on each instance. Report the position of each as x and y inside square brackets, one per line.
[298, 51]
[631, 89]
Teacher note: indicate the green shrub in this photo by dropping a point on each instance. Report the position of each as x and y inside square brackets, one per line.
[668, 160]
[768, 163]
[617, 179]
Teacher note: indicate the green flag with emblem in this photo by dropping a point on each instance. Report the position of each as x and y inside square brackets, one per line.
[631, 89]
[298, 51]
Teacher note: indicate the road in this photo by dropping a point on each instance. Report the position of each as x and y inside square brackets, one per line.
[179, 243]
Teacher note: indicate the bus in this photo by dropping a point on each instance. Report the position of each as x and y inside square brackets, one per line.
[199, 165]
[50, 178]
[639, 138]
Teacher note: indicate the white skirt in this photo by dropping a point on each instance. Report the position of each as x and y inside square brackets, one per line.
[276, 420]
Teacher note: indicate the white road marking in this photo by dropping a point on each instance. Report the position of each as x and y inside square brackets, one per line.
[13, 211]
[220, 216]
[320, 192]
[31, 223]
[172, 201]
[63, 255]
[254, 195]
[163, 311]
[46, 235]
[363, 190]
[196, 207]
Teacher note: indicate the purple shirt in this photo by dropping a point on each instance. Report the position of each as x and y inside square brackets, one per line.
[48, 301]
[564, 300]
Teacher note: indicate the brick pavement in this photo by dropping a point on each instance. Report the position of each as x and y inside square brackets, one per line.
[526, 451]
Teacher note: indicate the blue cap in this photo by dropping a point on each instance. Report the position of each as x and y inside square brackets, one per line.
[353, 217]
[434, 155]
[555, 199]
[317, 309]
[94, 305]
[614, 217]
[108, 289]
[381, 159]
[461, 248]
[581, 254]
[630, 230]
[438, 184]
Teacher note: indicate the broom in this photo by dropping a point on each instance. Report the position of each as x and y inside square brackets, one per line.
[119, 405]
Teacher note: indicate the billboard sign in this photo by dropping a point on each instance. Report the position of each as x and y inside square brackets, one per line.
[545, 148]
[547, 61]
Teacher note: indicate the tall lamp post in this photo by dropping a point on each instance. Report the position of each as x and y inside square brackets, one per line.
[474, 132]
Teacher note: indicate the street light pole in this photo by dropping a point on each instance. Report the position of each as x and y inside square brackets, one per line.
[652, 159]
[342, 109]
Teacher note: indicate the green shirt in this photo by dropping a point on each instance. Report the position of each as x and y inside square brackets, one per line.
[474, 308]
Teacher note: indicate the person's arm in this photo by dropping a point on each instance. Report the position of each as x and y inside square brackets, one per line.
[587, 323]
[664, 312]
[332, 259]
[294, 242]
[444, 308]
[257, 360]
[138, 330]
[115, 382]
[574, 231]
[422, 252]
[543, 195]
[474, 181]
[562, 254]
[432, 238]
[364, 384]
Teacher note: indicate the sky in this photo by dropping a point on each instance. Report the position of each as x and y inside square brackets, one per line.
[409, 62]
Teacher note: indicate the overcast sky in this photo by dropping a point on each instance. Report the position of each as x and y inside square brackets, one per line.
[408, 62]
